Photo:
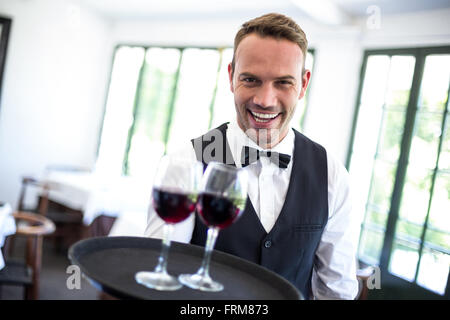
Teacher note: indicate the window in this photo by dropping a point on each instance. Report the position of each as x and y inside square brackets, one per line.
[399, 161]
[159, 98]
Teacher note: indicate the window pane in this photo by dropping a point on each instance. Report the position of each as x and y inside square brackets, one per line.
[370, 245]
[309, 62]
[366, 133]
[425, 142]
[224, 110]
[435, 81]
[375, 81]
[433, 270]
[361, 166]
[382, 184]
[415, 195]
[404, 259]
[408, 230]
[191, 115]
[152, 111]
[368, 126]
[400, 79]
[439, 211]
[444, 157]
[436, 238]
[375, 217]
[119, 109]
[391, 135]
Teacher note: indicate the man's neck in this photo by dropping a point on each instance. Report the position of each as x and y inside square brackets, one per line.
[266, 139]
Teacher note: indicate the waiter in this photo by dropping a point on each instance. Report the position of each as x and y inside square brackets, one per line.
[298, 221]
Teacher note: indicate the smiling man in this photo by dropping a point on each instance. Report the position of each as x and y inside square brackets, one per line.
[267, 78]
[298, 220]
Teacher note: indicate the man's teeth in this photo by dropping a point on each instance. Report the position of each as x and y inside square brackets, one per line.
[263, 117]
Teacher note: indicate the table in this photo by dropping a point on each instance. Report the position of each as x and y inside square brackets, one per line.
[110, 264]
[94, 194]
[7, 227]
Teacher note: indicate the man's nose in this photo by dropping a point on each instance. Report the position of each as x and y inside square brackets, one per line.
[265, 96]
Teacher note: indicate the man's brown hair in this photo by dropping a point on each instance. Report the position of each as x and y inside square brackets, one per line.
[273, 25]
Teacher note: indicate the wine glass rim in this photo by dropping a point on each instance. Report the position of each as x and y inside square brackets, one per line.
[172, 189]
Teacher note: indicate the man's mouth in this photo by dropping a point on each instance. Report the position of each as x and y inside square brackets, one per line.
[263, 117]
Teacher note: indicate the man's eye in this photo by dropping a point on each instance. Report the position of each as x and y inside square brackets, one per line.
[249, 80]
[285, 82]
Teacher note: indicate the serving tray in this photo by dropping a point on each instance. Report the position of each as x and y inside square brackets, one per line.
[110, 264]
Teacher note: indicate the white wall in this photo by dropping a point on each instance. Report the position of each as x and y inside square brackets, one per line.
[176, 33]
[418, 29]
[56, 74]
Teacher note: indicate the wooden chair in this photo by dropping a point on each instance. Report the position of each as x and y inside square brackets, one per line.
[69, 226]
[26, 273]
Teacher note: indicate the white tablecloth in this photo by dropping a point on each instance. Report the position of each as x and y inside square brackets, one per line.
[126, 198]
[7, 227]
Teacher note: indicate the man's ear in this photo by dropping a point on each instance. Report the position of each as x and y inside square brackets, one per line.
[305, 81]
[230, 76]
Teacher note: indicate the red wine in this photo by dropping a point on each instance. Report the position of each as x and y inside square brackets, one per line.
[172, 207]
[217, 211]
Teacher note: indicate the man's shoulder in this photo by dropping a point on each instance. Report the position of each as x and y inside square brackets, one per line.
[333, 162]
[212, 132]
[301, 138]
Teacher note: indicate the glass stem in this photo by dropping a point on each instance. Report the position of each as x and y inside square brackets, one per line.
[162, 261]
[210, 242]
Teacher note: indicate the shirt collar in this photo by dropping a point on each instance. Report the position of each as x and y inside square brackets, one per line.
[238, 139]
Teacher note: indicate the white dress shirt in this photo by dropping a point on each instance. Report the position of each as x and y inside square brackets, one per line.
[334, 272]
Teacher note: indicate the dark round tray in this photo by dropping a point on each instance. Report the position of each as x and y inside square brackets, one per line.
[110, 264]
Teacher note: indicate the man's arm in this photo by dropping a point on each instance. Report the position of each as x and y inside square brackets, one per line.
[334, 274]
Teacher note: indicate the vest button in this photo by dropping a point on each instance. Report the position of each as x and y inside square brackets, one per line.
[268, 244]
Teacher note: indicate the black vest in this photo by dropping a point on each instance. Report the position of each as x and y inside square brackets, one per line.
[289, 248]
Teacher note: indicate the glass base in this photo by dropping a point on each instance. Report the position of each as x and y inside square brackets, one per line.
[158, 281]
[199, 282]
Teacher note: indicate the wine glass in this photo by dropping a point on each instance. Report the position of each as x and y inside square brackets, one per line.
[222, 199]
[174, 196]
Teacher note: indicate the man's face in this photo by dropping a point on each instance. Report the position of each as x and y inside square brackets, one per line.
[267, 83]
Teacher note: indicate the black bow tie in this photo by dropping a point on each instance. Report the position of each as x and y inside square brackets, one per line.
[250, 155]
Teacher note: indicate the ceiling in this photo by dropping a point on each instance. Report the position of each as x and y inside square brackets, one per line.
[324, 11]
[359, 7]
[125, 9]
